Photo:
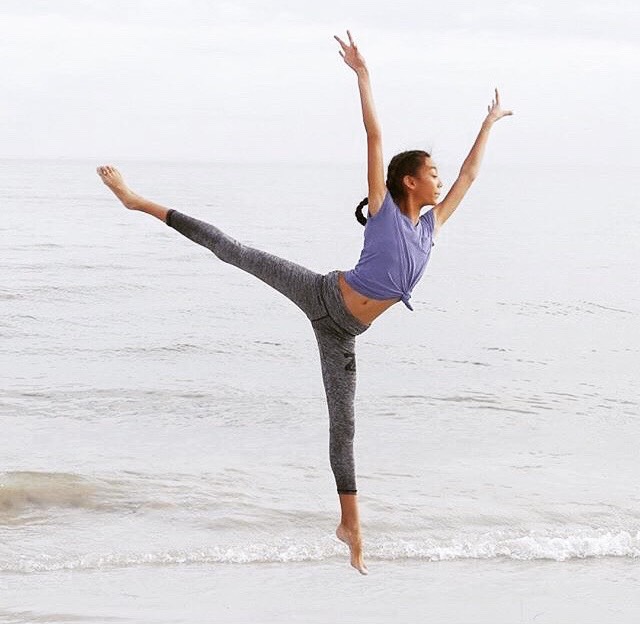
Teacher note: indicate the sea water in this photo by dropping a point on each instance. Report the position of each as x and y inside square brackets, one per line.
[164, 434]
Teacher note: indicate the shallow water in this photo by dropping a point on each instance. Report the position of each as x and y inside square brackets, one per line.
[162, 414]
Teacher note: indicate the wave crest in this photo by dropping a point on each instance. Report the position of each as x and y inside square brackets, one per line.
[23, 490]
[522, 548]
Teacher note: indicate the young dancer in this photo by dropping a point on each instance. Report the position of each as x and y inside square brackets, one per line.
[342, 305]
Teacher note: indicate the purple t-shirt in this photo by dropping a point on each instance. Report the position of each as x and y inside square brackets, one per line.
[394, 255]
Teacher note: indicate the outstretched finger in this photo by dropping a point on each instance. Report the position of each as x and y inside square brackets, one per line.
[350, 38]
[497, 96]
[342, 43]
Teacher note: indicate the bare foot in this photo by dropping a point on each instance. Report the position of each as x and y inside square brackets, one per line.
[114, 180]
[353, 540]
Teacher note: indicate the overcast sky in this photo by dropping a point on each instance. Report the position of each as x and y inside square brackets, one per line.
[250, 80]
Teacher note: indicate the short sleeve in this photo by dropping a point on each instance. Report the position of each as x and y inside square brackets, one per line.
[384, 206]
[428, 223]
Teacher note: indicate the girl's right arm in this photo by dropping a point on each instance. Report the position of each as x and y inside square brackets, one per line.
[375, 163]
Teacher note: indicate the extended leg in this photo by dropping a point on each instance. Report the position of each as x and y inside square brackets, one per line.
[114, 180]
[295, 282]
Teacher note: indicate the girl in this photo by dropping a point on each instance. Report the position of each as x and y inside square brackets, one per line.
[342, 305]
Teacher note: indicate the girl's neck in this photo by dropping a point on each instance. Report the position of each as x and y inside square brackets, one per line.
[410, 208]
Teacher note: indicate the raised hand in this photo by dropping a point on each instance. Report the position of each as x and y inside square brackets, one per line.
[350, 54]
[495, 110]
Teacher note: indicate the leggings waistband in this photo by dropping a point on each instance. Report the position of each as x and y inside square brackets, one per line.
[336, 308]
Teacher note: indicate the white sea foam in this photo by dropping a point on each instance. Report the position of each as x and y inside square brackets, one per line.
[526, 547]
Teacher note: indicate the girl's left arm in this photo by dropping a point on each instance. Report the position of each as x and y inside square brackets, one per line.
[471, 165]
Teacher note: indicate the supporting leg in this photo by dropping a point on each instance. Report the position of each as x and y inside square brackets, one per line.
[337, 358]
[349, 532]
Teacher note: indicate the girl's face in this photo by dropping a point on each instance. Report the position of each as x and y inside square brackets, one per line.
[426, 184]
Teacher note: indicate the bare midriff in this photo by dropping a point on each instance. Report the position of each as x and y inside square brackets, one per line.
[365, 309]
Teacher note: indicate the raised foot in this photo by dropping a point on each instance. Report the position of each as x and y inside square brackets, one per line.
[353, 540]
[114, 180]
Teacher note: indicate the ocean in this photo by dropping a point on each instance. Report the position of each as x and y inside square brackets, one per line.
[164, 433]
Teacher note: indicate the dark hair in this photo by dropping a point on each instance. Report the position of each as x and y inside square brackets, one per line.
[402, 164]
[359, 216]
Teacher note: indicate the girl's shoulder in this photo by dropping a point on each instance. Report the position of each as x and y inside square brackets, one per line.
[387, 206]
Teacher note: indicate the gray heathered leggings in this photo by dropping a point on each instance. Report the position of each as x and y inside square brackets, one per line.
[319, 297]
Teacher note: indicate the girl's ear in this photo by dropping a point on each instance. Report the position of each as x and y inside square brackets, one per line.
[409, 182]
